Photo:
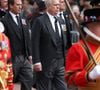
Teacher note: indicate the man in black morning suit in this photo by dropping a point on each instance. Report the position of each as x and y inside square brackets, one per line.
[48, 51]
[68, 28]
[63, 14]
[18, 33]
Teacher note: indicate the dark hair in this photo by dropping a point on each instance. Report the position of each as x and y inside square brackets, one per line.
[41, 5]
[10, 2]
[31, 2]
[95, 2]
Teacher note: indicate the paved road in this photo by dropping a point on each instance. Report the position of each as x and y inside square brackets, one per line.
[17, 87]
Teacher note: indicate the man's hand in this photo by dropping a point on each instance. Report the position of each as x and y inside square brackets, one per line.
[37, 67]
[30, 59]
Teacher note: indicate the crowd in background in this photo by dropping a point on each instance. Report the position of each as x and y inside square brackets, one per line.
[34, 8]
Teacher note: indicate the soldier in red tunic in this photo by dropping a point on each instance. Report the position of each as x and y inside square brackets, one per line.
[6, 74]
[81, 71]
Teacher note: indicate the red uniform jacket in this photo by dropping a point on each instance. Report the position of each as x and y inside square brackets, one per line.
[76, 61]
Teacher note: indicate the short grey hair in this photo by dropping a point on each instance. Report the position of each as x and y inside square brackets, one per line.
[48, 2]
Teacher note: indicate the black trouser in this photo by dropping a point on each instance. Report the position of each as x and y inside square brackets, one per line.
[23, 72]
[52, 79]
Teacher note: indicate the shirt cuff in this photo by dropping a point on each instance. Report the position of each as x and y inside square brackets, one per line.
[39, 63]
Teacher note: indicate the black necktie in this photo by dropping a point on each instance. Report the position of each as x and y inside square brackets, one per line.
[62, 20]
[18, 21]
[56, 26]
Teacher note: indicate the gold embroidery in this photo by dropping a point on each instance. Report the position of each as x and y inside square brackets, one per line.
[91, 64]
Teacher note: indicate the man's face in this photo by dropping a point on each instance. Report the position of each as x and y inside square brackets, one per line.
[62, 5]
[53, 9]
[4, 4]
[17, 7]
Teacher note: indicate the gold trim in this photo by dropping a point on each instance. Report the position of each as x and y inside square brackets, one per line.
[96, 55]
[90, 65]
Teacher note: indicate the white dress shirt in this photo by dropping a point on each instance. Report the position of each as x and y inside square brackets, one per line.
[14, 17]
[52, 20]
[60, 14]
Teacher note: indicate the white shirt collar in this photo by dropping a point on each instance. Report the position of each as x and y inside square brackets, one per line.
[52, 20]
[51, 16]
[14, 17]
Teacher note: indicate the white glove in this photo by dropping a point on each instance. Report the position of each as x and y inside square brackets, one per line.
[95, 73]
